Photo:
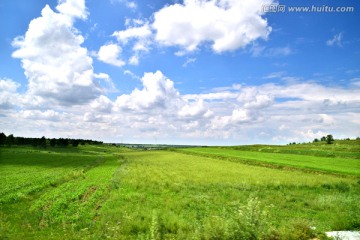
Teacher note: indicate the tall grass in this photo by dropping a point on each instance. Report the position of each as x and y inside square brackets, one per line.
[196, 197]
[102, 192]
[52, 192]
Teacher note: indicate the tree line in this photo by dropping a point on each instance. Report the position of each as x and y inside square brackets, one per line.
[329, 139]
[43, 142]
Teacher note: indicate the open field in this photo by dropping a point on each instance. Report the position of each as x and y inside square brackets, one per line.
[344, 159]
[99, 192]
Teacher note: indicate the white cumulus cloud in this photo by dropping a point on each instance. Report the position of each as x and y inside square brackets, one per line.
[8, 95]
[158, 92]
[139, 34]
[48, 115]
[57, 67]
[73, 8]
[227, 24]
[110, 54]
[102, 104]
[8, 86]
[197, 109]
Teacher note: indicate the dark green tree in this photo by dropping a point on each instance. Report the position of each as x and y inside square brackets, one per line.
[62, 142]
[2, 138]
[42, 142]
[10, 140]
[75, 142]
[329, 139]
[52, 142]
[34, 142]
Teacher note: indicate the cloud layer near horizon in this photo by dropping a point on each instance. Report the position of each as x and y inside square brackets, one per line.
[279, 113]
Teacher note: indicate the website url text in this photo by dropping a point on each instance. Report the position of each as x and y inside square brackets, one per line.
[276, 8]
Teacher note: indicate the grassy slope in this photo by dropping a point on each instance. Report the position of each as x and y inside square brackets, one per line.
[107, 192]
[187, 193]
[307, 156]
[340, 149]
[44, 189]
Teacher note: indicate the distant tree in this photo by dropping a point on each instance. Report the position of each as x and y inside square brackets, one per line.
[20, 141]
[63, 142]
[75, 142]
[42, 142]
[52, 142]
[323, 139]
[2, 138]
[316, 140]
[10, 140]
[329, 139]
[34, 142]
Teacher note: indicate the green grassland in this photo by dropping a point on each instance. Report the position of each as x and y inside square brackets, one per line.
[318, 157]
[245, 192]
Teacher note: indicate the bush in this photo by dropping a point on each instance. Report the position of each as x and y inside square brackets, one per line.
[300, 231]
[249, 221]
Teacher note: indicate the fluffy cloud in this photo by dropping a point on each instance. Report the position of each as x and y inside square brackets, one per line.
[48, 115]
[236, 111]
[158, 93]
[195, 110]
[8, 86]
[57, 67]
[110, 54]
[227, 24]
[159, 97]
[139, 34]
[237, 114]
[102, 104]
[253, 99]
[8, 96]
[73, 8]
[92, 117]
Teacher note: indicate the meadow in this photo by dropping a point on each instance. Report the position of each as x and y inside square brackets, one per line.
[243, 192]
[305, 156]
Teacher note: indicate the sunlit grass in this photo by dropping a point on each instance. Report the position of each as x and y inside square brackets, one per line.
[187, 192]
[327, 164]
[104, 192]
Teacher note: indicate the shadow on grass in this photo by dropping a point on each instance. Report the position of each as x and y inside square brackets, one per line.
[51, 157]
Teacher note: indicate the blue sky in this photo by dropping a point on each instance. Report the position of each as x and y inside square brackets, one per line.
[188, 72]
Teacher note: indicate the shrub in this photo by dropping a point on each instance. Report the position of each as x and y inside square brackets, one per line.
[249, 221]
